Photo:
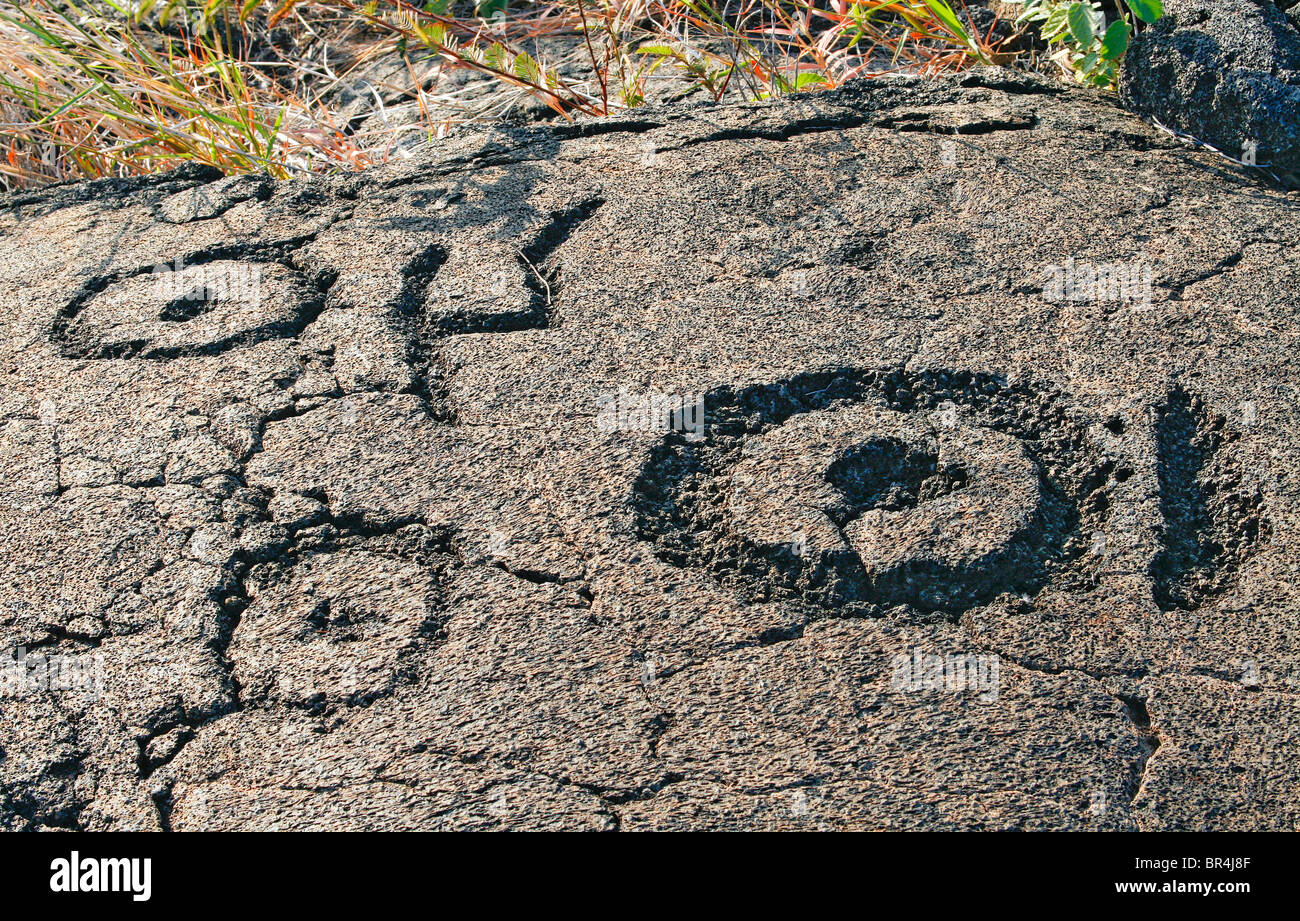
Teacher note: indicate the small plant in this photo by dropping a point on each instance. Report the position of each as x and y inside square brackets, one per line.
[118, 87]
[1087, 46]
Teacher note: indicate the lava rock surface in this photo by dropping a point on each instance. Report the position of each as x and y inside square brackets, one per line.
[1226, 72]
[374, 553]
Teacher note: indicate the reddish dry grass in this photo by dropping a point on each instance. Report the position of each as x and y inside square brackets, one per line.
[86, 91]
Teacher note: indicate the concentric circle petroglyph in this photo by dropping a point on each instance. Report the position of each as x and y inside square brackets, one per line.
[858, 491]
[173, 311]
[366, 557]
[931, 508]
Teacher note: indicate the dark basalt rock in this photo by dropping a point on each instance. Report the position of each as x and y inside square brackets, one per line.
[989, 521]
[1226, 72]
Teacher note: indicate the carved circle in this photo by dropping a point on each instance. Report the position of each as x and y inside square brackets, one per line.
[855, 492]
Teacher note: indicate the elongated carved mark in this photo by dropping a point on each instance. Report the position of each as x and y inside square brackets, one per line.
[1213, 520]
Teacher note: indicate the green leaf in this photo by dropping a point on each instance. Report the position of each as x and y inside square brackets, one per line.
[1080, 18]
[1102, 75]
[273, 134]
[526, 68]
[495, 56]
[434, 34]
[1115, 41]
[490, 9]
[662, 51]
[67, 105]
[1146, 10]
[944, 12]
[807, 78]
[1056, 24]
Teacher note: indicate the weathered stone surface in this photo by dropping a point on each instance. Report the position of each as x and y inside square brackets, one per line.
[1226, 72]
[204, 308]
[404, 544]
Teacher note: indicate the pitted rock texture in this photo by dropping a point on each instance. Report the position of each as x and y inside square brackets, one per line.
[903, 502]
[952, 548]
[1226, 72]
[204, 308]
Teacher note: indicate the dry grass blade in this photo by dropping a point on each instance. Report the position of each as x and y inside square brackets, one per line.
[90, 89]
[84, 95]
